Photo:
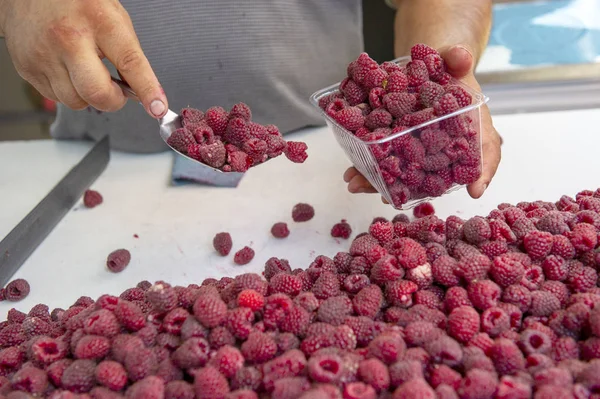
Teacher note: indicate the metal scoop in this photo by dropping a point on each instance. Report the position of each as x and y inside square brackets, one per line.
[191, 169]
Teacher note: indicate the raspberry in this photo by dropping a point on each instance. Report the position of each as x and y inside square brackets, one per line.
[386, 269]
[477, 230]
[325, 368]
[162, 298]
[228, 360]
[149, 388]
[421, 276]
[214, 154]
[17, 290]
[210, 310]
[434, 141]
[295, 151]
[239, 161]
[507, 270]
[350, 118]
[442, 374]
[418, 117]
[92, 347]
[555, 268]
[506, 356]
[130, 315]
[79, 376]
[484, 294]
[405, 370]
[368, 301]
[341, 230]
[302, 212]
[417, 73]
[434, 185]
[274, 266]
[400, 104]
[477, 383]
[359, 390]
[415, 389]
[102, 322]
[463, 323]
[378, 118]
[456, 297]
[31, 380]
[239, 322]
[280, 230]
[445, 104]
[387, 347]
[538, 244]
[419, 332]
[533, 278]
[222, 243]
[91, 198]
[474, 267]
[308, 301]
[181, 139]
[243, 256]
[429, 93]
[111, 374]
[374, 373]
[444, 391]
[334, 310]
[543, 303]
[445, 271]
[522, 226]
[420, 51]
[202, 133]
[237, 132]
[375, 77]
[582, 279]
[494, 321]
[352, 92]
[399, 292]
[326, 286]
[409, 252]
[179, 390]
[397, 82]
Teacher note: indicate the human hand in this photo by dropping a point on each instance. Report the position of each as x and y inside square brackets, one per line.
[460, 63]
[57, 46]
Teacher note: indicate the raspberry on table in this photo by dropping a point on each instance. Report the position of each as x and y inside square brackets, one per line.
[341, 230]
[118, 260]
[368, 301]
[280, 230]
[302, 212]
[243, 256]
[17, 290]
[92, 198]
[222, 243]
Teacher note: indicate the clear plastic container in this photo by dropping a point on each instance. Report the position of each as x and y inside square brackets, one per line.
[415, 183]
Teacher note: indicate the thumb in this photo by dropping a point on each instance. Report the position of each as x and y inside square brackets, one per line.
[459, 60]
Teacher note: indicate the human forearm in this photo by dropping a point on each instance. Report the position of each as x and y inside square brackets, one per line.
[442, 23]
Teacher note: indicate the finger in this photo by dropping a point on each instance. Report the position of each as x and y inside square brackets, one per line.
[92, 80]
[42, 85]
[459, 60]
[120, 45]
[349, 174]
[358, 184]
[492, 154]
[60, 81]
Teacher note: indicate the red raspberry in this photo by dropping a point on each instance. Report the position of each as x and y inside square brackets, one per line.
[538, 244]
[251, 299]
[397, 82]
[325, 368]
[494, 321]
[280, 230]
[474, 267]
[79, 376]
[463, 97]
[378, 118]
[220, 336]
[507, 270]
[241, 110]
[212, 154]
[400, 104]
[341, 230]
[418, 117]
[162, 298]
[463, 323]
[295, 151]
[558, 289]
[533, 278]
[420, 51]
[210, 310]
[239, 322]
[477, 230]
[217, 118]
[533, 341]
[415, 389]
[387, 347]
[501, 230]
[334, 310]
[554, 223]
[446, 104]
[181, 139]
[222, 243]
[421, 276]
[507, 357]
[399, 292]
[522, 226]
[435, 67]
[434, 141]
[274, 266]
[228, 360]
[417, 73]
[130, 315]
[444, 391]
[238, 161]
[102, 322]
[111, 374]
[484, 294]
[355, 282]
[456, 297]
[209, 383]
[326, 286]
[243, 256]
[362, 245]
[376, 97]
[477, 383]
[386, 269]
[350, 118]
[543, 303]
[582, 279]
[302, 212]
[237, 132]
[359, 390]
[405, 370]
[31, 380]
[290, 364]
[91, 198]
[354, 93]
[375, 373]
[375, 77]
[43, 350]
[555, 268]
[445, 271]
[202, 133]
[92, 347]
[429, 93]
[291, 387]
[179, 390]
[417, 333]
[444, 375]
[17, 290]
[368, 301]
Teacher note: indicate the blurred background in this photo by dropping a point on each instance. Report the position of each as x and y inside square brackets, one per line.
[535, 46]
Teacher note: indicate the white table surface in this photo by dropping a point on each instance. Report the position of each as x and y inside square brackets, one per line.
[544, 156]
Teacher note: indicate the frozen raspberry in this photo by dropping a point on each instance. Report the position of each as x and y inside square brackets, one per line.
[368, 301]
[111, 375]
[151, 387]
[429, 93]
[538, 244]
[494, 321]
[302, 212]
[375, 77]
[418, 117]
[399, 292]
[79, 376]
[474, 267]
[334, 310]
[92, 198]
[400, 104]
[477, 230]
[417, 73]
[203, 134]
[280, 230]
[434, 185]
[212, 154]
[420, 51]
[179, 390]
[533, 278]
[378, 118]
[118, 260]
[210, 310]
[415, 389]
[376, 97]
[243, 256]
[555, 268]
[102, 322]
[222, 243]
[359, 390]
[350, 118]
[445, 271]
[507, 270]
[543, 303]
[522, 226]
[162, 298]
[238, 161]
[326, 286]
[228, 360]
[220, 336]
[237, 132]
[484, 294]
[353, 92]
[274, 266]
[190, 116]
[217, 118]
[251, 299]
[445, 104]
[435, 67]
[382, 231]
[181, 139]
[405, 370]
[463, 323]
[17, 290]
[375, 373]
[416, 333]
[506, 356]
[421, 276]
[456, 297]
[387, 347]
[241, 110]
[325, 368]
[463, 97]
[444, 391]
[582, 279]
[553, 223]
[31, 380]
[442, 374]
[341, 230]
[477, 383]
[397, 82]
[295, 151]
[92, 347]
[130, 315]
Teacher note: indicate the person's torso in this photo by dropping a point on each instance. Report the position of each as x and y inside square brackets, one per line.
[270, 54]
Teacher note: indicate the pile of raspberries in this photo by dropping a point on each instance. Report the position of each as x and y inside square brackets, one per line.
[505, 306]
[377, 101]
[231, 141]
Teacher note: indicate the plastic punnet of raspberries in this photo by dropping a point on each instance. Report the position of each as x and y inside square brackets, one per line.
[488, 308]
[378, 104]
[231, 141]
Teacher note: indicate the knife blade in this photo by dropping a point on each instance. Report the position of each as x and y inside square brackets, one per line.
[22, 240]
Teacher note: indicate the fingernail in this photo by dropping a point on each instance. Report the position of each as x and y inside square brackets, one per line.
[485, 187]
[157, 108]
[460, 46]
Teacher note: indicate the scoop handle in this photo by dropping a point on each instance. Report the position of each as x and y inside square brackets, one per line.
[126, 89]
